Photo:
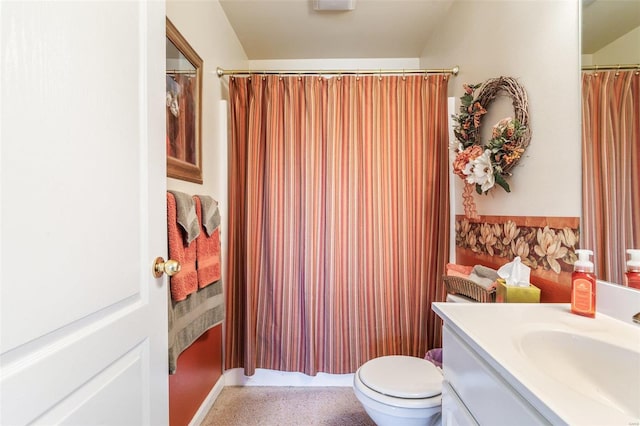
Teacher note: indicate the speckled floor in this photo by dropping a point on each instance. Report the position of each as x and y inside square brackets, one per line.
[270, 406]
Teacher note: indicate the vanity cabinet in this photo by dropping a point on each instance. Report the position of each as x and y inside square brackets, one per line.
[475, 394]
[537, 363]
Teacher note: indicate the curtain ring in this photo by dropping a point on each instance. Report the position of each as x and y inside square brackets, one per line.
[403, 77]
[380, 75]
[618, 70]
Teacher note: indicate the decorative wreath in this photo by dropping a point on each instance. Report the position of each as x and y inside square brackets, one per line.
[487, 164]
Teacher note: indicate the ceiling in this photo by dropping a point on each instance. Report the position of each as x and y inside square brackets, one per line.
[291, 29]
[604, 21]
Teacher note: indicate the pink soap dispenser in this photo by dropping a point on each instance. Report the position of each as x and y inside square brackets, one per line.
[583, 285]
[632, 276]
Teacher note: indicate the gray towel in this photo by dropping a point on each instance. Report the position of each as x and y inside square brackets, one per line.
[187, 218]
[483, 276]
[190, 318]
[210, 213]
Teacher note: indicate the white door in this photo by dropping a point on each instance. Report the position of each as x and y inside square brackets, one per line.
[83, 322]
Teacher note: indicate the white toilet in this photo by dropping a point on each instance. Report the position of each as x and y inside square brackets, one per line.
[400, 390]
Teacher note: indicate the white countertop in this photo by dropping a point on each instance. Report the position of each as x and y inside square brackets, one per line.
[494, 331]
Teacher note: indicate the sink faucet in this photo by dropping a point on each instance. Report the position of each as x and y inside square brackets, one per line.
[636, 318]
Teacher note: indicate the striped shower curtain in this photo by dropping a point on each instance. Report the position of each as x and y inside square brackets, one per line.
[338, 220]
[611, 168]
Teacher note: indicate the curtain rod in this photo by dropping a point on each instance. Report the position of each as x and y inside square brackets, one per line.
[193, 72]
[611, 67]
[222, 72]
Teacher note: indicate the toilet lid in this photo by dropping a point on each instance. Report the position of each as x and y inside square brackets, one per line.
[402, 376]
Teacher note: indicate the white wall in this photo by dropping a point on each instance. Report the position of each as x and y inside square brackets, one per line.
[206, 28]
[535, 42]
[336, 64]
[538, 44]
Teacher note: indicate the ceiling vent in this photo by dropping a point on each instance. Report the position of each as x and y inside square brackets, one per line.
[333, 5]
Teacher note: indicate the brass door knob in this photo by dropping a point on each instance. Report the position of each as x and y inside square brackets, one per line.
[170, 267]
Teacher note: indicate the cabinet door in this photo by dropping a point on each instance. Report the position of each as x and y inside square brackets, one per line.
[454, 412]
[490, 399]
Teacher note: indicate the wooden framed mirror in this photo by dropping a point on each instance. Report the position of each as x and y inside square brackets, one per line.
[184, 108]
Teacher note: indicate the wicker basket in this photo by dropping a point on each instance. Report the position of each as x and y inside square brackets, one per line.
[468, 288]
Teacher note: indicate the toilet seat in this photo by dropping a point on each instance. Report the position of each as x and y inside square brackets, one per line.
[401, 381]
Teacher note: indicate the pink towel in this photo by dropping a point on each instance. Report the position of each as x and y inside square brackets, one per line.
[184, 282]
[208, 251]
[456, 270]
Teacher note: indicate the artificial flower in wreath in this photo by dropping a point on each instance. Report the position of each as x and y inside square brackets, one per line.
[484, 165]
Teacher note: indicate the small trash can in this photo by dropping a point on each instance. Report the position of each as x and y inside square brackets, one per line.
[435, 356]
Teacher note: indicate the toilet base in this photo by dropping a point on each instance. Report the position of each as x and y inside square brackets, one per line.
[386, 415]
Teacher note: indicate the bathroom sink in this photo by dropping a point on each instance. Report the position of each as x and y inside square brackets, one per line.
[588, 364]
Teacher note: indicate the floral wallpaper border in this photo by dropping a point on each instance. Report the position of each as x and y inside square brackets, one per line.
[545, 243]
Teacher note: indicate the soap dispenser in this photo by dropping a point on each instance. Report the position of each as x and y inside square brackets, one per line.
[632, 276]
[583, 286]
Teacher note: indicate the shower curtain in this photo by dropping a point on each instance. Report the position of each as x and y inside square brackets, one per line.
[611, 168]
[339, 229]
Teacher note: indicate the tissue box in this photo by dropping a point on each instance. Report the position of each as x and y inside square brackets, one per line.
[512, 294]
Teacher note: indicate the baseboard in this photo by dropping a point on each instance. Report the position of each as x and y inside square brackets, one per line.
[262, 377]
[206, 405]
